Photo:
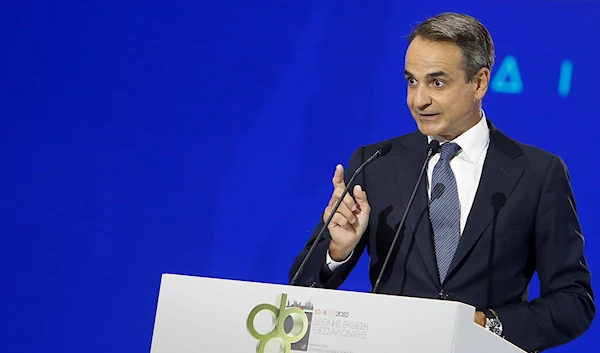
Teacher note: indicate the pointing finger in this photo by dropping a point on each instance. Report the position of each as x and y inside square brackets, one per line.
[338, 177]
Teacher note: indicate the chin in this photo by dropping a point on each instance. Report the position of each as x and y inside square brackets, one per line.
[428, 128]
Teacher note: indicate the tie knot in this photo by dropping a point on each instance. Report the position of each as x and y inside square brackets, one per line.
[449, 150]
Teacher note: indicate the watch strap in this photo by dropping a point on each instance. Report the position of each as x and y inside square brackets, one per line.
[488, 313]
[493, 322]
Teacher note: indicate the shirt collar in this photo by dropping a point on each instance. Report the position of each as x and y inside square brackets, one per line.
[472, 142]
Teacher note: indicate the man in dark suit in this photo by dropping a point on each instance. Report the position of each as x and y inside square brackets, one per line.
[488, 212]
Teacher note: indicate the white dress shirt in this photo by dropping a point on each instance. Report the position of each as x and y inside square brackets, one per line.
[467, 166]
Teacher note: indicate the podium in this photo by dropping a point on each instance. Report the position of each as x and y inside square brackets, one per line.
[196, 314]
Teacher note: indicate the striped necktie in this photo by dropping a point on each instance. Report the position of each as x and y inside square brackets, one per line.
[444, 210]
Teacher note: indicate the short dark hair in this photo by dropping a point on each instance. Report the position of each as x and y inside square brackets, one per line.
[467, 32]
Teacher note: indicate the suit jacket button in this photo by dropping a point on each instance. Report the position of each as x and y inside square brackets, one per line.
[443, 294]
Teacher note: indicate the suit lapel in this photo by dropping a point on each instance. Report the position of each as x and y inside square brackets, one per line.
[408, 167]
[499, 176]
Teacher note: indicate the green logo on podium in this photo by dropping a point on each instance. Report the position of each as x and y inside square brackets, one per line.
[285, 339]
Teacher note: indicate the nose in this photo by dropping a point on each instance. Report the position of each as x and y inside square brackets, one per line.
[421, 98]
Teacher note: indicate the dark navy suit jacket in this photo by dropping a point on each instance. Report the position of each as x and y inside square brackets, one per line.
[523, 219]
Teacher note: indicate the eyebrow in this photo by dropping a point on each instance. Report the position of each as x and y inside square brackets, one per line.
[430, 75]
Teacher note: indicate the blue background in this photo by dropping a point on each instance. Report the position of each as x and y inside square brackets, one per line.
[200, 138]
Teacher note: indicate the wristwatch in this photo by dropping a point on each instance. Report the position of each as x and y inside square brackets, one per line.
[492, 322]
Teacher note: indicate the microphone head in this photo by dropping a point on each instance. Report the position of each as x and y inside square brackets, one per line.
[434, 146]
[498, 200]
[437, 191]
[385, 149]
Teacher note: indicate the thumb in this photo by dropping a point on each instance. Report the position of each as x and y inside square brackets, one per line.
[361, 196]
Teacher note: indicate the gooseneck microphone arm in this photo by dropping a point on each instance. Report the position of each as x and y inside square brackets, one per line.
[380, 152]
[434, 147]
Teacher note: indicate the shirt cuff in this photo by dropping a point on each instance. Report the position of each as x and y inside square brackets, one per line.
[335, 264]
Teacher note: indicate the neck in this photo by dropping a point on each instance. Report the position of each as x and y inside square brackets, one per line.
[469, 123]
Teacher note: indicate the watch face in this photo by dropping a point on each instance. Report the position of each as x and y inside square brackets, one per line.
[494, 325]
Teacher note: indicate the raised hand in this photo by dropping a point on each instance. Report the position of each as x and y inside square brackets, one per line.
[350, 221]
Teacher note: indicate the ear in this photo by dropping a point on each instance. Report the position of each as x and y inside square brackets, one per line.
[481, 81]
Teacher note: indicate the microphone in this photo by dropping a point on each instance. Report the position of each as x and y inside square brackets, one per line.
[380, 152]
[437, 191]
[434, 147]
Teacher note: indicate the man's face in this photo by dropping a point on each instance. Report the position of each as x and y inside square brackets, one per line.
[439, 97]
